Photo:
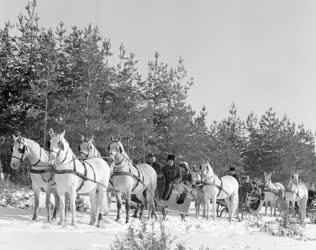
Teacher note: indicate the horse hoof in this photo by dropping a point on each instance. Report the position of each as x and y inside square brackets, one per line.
[60, 223]
[91, 223]
[34, 218]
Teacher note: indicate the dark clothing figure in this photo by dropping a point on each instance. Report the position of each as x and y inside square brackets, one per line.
[172, 176]
[232, 172]
[160, 178]
[157, 168]
[257, 192]
[245, 189]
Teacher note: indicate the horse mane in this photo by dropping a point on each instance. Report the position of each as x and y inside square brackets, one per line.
[27, 141]
[209, 169]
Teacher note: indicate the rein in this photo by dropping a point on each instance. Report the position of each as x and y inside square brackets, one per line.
[74, 171]
[33, 170]
[220, 187]
[116, 171]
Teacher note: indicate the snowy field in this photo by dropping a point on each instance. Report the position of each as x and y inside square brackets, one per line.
[18, 232]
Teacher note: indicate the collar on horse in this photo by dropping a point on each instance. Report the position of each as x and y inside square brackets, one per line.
[116, 172]
[220, 187]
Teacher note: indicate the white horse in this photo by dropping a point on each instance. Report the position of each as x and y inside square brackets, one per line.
[214, 188]
[129, 179]
[87, 150]
[78, 177]
[197, 193]
[41, 173]
[297, 192]
[272, 193]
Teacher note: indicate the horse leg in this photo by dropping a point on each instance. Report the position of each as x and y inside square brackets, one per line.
[197, 208]
[234, 200]
[118, 205]
[61, 208]
[47, 202]
[127, 206]
[101, 200]
[302, 209]
[109, 199]
[135, 212]
[36, 203]
[265, 208]
[214, 207]
[275, 207]
[72, 195]
[150, 199]
[94, 208]
[56, 197]
[141, 211]
[207, 208]
[229, 207]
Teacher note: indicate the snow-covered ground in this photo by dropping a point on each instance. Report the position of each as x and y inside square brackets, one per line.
[18, 232]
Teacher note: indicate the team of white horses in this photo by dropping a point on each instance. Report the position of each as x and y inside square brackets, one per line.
[60, 172]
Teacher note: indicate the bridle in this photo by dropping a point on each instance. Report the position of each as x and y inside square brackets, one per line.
[116, 156]
[23, 150]
[57, 154]
[91, 147]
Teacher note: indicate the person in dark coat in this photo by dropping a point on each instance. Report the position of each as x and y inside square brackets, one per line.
[245, 189]
[151, 160]
[172, 176]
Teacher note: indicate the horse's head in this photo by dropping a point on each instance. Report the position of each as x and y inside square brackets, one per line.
[295, 176]
[115, 148]
[19, 152]
[267, 178]
[58, 146]
[206, 169]
[86, 147]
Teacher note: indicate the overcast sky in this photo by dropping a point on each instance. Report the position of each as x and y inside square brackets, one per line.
[258, 54]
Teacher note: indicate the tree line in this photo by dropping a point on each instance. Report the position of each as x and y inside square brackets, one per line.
[73, 79]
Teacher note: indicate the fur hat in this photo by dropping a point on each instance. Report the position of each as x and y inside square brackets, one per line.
[171, 157]
[150, 155]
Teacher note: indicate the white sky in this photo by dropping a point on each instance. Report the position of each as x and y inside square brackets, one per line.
[258, 54]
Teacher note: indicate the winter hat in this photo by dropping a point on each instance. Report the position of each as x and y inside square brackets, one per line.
[171, 157]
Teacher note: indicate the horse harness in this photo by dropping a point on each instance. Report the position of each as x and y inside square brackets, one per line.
[34, 170]
[138, 177]
[74, 171]
[220, 187]
[297, 193]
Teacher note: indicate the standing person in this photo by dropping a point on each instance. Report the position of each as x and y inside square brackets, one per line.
[160, 177]
[172, 176]
[152, 162]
